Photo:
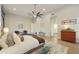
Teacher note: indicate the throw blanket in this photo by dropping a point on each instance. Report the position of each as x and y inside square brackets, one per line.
[10, 40]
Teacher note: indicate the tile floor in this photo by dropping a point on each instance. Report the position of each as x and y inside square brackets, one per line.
[73, 47]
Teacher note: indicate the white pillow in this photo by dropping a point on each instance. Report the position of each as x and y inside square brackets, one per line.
[3, 44]
[17, 40]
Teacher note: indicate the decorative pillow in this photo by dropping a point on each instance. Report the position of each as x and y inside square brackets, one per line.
[7, 40]
[10, 40]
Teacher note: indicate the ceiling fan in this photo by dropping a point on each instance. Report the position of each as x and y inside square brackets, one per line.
[36, 13]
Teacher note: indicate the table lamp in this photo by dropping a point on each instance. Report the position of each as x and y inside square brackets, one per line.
[6, 29]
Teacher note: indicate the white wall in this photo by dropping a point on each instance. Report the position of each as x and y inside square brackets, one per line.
[42, 25]
[70, 12]
[12, 22]
[45, 24]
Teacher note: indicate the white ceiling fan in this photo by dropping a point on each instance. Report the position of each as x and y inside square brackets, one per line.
[36, 13]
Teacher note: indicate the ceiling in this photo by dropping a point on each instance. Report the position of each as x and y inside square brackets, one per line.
[26, 9]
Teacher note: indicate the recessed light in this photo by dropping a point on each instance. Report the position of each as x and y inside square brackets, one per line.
[44, 9]
[14, 9]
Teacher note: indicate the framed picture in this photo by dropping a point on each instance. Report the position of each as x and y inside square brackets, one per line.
[70, 21]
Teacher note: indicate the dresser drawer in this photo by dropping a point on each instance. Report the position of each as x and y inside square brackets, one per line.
[68, 36]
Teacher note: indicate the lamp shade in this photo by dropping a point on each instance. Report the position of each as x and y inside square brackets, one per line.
[66, 26]
[6, 29]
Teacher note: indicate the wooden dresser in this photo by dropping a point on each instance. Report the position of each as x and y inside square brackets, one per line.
[69, 36]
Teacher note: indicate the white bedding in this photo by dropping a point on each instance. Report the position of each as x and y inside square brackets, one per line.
[19, 48]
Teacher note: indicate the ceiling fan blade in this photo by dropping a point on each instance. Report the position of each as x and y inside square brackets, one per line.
[38, 13]
[41, 14]
[33, 12]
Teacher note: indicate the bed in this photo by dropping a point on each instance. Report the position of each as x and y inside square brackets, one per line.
[30, 43]
[33, 44]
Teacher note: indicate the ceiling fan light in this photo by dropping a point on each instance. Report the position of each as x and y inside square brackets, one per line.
[34, 16]
[44, 9]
